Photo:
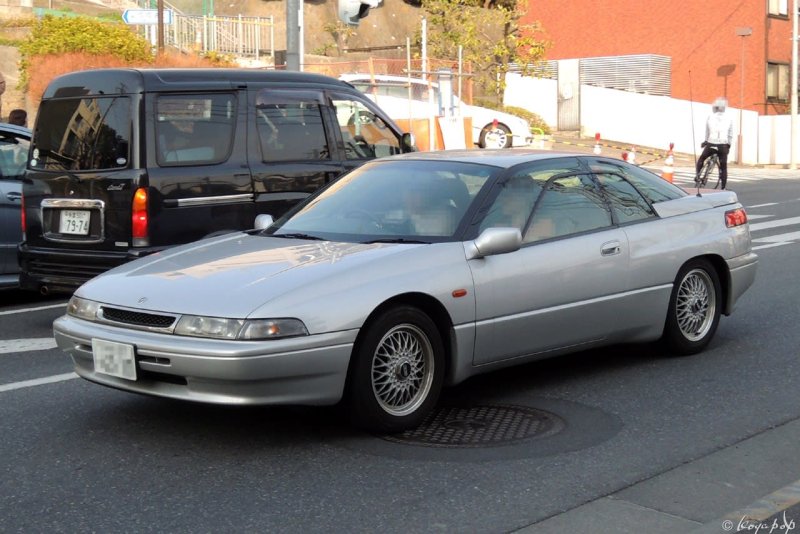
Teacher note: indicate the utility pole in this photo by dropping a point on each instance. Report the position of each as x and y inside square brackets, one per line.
[793, 90]
[293, 35]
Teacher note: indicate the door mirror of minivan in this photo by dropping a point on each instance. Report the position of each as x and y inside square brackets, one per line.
[264, 221]
[409, 142]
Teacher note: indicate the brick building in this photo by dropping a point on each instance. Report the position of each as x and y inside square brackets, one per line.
[705, 41]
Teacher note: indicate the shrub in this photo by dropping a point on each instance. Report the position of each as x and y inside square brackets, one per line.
[61, 35]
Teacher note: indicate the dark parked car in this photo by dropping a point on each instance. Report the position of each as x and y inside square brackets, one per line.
[127, 162]
[14, 146]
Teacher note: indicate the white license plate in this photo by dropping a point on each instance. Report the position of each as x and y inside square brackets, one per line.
[115, 359]
[74, 222]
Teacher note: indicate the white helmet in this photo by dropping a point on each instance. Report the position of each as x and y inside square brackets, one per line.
[720, 104]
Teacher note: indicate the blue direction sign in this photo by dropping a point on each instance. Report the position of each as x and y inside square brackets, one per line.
[145, 16]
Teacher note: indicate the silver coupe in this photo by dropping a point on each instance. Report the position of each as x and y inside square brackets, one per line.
[415, 272]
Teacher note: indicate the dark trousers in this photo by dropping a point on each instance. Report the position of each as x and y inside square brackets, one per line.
[722, 150]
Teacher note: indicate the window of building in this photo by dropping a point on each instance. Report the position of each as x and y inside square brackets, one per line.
[779, 8]
[777, 82]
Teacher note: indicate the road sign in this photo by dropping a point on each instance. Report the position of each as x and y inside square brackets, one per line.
[145, 16]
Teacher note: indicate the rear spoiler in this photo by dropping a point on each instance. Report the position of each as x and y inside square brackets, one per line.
[703, 200]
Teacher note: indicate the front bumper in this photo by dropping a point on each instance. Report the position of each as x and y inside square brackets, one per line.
[304, 370]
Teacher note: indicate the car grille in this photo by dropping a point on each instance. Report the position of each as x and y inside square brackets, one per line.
[135, 318]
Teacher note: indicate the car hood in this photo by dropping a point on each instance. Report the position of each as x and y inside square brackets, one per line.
[230, 276]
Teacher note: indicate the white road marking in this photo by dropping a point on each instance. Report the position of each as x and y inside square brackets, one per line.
[754, 216]
[773, 245]
[774, 224]
[22, 310]
[791, 236]
[26, 345]
[763, 205]
[37, 382]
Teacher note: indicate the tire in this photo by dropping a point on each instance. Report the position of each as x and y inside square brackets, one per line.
[396, 372]
[495, 136]
[694, 309]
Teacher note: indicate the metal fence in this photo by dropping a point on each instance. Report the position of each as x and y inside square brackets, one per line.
[242, 37]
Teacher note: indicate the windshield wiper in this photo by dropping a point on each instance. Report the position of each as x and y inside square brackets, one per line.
[397, 240]
[298, 236]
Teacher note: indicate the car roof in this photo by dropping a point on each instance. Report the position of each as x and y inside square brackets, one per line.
[6, 127]
[112, 81]
[502, 158]
[382, 78]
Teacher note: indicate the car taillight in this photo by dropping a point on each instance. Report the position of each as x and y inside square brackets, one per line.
[22, 220]
[139, 218]
[735, 217]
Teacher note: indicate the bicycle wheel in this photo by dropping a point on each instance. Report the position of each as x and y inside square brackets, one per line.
[705, 173]
[715, 172]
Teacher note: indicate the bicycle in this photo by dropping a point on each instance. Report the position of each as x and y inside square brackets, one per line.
[709, 170]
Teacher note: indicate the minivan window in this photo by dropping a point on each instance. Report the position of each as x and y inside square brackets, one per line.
[194, 129]
[82, 134]
[291, 131]
[365, 134]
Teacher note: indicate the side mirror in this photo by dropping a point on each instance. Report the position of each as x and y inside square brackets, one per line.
[263, 221]
[409, 142]
[494, 241]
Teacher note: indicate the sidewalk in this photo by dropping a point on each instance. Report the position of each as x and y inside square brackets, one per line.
[746, 487]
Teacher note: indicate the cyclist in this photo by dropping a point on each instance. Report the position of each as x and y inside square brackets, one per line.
[719, 134]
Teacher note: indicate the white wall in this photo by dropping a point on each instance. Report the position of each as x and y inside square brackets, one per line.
[652, 121]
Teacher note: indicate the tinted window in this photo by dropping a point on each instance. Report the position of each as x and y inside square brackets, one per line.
[194, 129]
[82, 134]
[13, 155]
[569, 205]
[291, 131]
[626, 202]
[653, 187]
[366, 135]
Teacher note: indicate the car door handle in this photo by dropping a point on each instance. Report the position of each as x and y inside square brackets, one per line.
[14, 196]
[611, 248]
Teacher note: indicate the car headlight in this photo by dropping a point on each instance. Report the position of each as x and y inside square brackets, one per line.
[82, 308]
[256, 329]
[217, 327]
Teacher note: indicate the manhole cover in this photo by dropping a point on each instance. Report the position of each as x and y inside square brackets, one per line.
[480, 426]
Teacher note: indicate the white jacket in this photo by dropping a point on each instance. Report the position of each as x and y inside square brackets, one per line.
[719, 129]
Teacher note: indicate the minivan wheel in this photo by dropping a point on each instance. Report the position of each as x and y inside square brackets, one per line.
[694, 308]
[397, 371]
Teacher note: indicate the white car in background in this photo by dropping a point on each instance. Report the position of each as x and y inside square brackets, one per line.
[490, 128]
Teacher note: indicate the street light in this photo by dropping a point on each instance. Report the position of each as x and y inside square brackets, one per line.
[742, 32]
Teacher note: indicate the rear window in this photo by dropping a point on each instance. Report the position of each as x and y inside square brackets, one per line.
[651, 186]
[82, 134]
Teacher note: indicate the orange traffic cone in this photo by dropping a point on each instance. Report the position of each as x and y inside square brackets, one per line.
[596, 143]
[632, 155]
[667, 172]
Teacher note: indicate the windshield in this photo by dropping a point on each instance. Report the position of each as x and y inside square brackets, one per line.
[391, 201]
[82, 134]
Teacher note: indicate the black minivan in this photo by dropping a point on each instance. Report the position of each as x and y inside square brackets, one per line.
[127, 162]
